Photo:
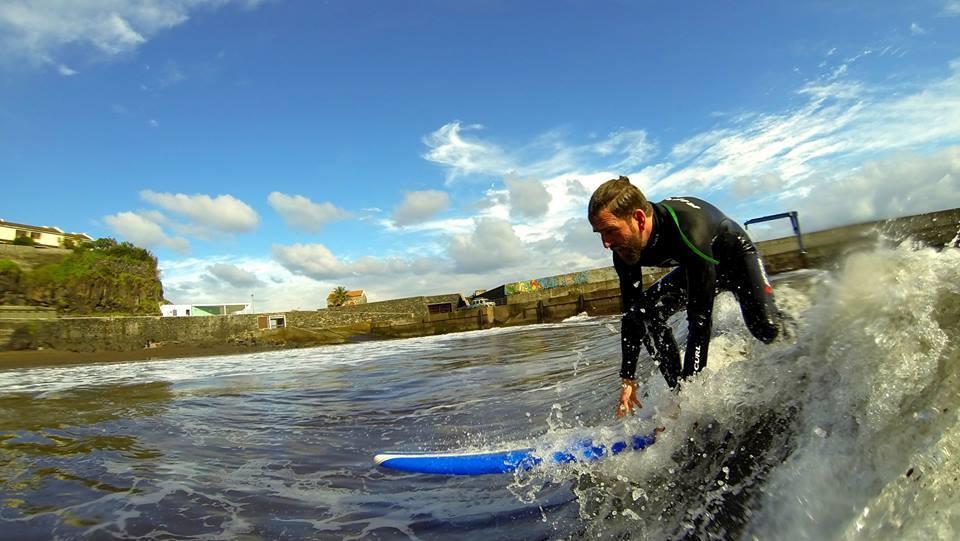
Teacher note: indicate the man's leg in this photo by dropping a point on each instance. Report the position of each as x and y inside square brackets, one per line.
[648, 321]
[755, 294]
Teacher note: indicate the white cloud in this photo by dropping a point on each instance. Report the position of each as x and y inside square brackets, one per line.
[300, 212]
[153, 123]
[917, 30]
[142, 231]
[223, 213]
[318, 262]
[492, 245]
[234, 275]
[847, 152]
[485, 255]
[898, 185]
[418, 207]
[463, 156]
[66, 71]
[762, 184]
[312, 260]
[547, 155]
[574, 247]
[39, 31]
[189, 281]
[528, 197]
[842, 125]
[951, 7]
[633, 147]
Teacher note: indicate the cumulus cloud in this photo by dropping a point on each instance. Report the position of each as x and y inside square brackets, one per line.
[142, 231]
[418, 207]
[223, 213]
[313, 260]
[233, 275]
[188, 281]
[573, 247]
[492, 245]
[528, 197]
[40, 31]
[763, 184]
[318, 262]
[899, 185]
[208, 280]
[300, 212]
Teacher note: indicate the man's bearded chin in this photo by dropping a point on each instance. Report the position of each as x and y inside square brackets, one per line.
[630, 254]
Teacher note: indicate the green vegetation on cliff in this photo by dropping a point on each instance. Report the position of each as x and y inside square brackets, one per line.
[9, 268]
[100, 277]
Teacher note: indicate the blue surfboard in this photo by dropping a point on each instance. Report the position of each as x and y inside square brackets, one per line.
[487, 462]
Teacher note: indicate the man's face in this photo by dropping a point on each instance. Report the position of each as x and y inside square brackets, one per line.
[622, 235]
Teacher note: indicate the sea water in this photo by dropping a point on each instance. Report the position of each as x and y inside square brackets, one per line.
[846, 429]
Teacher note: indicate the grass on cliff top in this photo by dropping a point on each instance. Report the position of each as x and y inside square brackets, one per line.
[103, 257]
[10, 268]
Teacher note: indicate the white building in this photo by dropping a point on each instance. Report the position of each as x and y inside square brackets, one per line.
[201, 310]
[53, 237]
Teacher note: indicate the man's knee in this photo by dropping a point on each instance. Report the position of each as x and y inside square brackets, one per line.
[766, 331]
[633, 321]
[769, 334]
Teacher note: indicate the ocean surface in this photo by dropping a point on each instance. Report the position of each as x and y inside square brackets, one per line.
[848, 429]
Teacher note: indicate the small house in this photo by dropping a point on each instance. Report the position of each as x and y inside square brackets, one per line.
[51, 237]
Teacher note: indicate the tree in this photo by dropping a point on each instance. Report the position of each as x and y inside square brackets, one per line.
[337, 297]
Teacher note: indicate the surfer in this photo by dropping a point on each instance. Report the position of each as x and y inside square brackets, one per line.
[711, 253]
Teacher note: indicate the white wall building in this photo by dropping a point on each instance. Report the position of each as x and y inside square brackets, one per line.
[54, 237]
[200, 310]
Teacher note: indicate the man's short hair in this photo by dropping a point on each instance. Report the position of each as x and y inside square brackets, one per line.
[619, 197]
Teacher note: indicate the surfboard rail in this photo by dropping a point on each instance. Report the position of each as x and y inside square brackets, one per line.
[508, 461]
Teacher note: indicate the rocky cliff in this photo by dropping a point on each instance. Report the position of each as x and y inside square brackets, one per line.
[99, 278]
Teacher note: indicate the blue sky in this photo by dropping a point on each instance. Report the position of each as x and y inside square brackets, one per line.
[281, 148]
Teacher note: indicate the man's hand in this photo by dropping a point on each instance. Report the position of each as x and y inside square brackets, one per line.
[628, 398]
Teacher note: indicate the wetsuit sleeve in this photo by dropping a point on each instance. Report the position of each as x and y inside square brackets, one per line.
[701, 286]
[631, 284]
[631, 330]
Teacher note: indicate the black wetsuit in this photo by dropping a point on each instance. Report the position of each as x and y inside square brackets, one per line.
[727, 260]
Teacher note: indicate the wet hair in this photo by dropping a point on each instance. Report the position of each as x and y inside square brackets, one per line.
[619, 197]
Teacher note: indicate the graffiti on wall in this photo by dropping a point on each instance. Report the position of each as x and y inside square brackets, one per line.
[563, 280]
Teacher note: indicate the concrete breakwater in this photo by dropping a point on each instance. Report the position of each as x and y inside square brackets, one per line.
[23, 329]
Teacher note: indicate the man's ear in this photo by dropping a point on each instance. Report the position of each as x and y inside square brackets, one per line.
[640, 217]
